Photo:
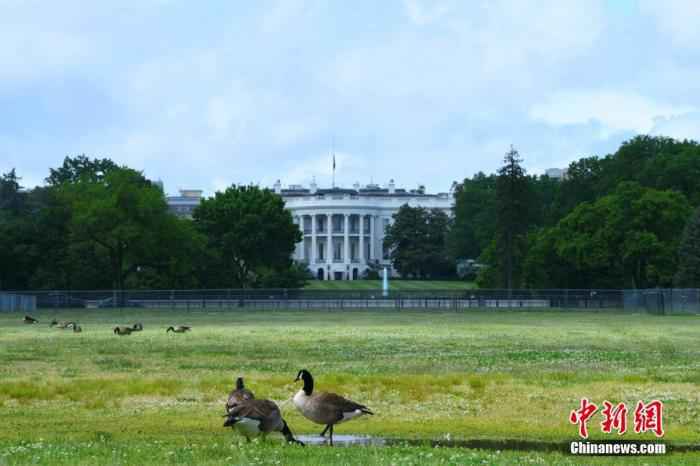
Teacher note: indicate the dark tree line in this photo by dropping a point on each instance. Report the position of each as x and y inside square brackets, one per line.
[98, 225]
[613, 221]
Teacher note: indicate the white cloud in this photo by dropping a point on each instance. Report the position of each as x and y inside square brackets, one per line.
[679, 19]
[679, 127]
[615, 111]
[422, 13]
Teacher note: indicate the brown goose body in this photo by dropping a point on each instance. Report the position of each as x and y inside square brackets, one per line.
[179, 329]
[238, 395]
[62, 324]
[325, 408]
[122, 331]
[253, 418]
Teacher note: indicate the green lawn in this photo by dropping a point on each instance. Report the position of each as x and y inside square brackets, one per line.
[156, 398]
[429, 285]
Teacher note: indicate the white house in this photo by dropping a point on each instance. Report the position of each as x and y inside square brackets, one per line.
[344, 228]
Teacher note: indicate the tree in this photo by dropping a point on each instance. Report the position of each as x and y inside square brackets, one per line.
[688, 274]
[626, 239]
[474, 216]
[124, 216]
[79, 168]
[513, 209]
[249, 235]
[418, 242]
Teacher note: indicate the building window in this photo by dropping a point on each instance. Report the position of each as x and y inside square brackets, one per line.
[337, 252]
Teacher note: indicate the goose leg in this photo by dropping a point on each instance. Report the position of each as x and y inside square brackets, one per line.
[331, 434]
[323, 434]
[288, 436]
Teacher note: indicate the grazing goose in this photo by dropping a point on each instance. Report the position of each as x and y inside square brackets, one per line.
[65, 325]
[179, 329]
[252, 418]
[120, 330]
[30, 320]
[238, 395]
[137, 327]
[325, 408]
[61, 324]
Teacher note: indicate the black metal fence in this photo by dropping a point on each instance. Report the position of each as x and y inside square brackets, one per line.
[658, 301]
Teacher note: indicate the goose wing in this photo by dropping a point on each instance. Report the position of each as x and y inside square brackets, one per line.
[339, 404]
[255, 409]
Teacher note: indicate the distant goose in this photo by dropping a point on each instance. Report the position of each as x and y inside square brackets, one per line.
[63, 324]
[325, 408]
[30, 320]
[137, 327]
[179, 329]
[258, 417]
[121, 330]
[238, 395]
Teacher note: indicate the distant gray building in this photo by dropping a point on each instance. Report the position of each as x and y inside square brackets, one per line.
[556, 173]
[184, 204]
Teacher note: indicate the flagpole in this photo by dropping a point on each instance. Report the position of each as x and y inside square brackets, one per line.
[333, 151]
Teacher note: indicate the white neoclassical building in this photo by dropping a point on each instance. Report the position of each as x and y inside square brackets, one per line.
[344, 228]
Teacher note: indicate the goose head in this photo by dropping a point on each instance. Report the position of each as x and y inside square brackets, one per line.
[239, 383]
[170, 329]
[308, 380]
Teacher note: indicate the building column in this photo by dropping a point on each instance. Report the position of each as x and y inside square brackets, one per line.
[346, 245]
[363, 259]
[371, 237]
[329, 245]
[313, 243]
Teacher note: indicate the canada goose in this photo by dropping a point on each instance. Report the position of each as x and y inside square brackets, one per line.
[30, 320]
[137, 327]
[252, 418]
[179, 329]
[325, 408]
[77, 328]
[238, 395]
[63, 324]
[122, 330]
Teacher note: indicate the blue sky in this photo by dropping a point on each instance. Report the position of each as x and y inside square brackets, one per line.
[205, 94]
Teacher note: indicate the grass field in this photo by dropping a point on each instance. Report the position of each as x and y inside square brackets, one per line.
[421, 285]
[157, 398]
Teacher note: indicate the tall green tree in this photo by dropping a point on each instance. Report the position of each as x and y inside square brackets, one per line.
[688, 274]
[474, 216]
[79, 168]
[514, 216]
[417, 240]
[123, 215]
[249, 235]
[626, 239]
